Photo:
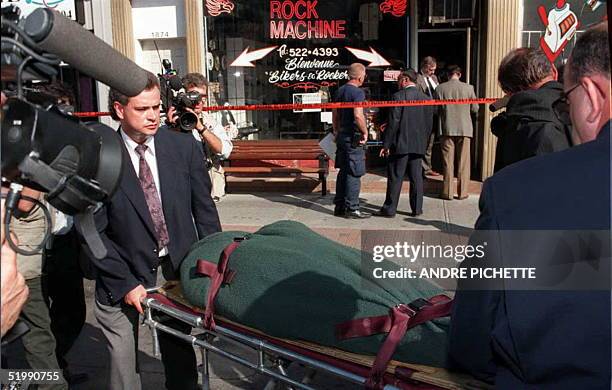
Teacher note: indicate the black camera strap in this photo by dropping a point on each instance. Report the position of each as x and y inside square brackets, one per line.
[86, 193]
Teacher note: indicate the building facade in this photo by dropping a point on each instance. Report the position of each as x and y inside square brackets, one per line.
[291, 51]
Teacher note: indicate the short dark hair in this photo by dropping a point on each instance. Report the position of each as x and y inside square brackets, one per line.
[194, 80]
[453, 69]
[116, 96]
[521, 68]
[410, 74]
[591, 54]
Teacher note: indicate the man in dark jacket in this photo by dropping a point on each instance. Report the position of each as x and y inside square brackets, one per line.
[162, 206]
[405, 143]
[529, 126]
[556, 339]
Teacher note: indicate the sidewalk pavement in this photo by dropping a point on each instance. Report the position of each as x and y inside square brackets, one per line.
[249, 212]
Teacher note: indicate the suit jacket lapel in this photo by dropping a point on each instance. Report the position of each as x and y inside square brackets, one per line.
[166, 165]
[130, 185]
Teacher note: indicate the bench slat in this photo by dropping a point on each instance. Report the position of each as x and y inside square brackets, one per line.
[279, 150]
[276, 156]
[272, 170]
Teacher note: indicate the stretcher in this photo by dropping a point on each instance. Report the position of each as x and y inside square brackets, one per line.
[274, 354]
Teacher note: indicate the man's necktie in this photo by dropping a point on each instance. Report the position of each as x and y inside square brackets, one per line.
[430, 87]
[152, 198]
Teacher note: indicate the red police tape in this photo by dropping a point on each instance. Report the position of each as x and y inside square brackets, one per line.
[289, 106]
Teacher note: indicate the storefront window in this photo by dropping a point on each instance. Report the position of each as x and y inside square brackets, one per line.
[299, 51]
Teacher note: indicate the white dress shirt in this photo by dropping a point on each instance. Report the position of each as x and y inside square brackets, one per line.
[432, 81]
[218, 130]
[151, 160]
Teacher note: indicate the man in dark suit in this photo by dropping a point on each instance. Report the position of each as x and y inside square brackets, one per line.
[405, 143]
[163, 205]
[534, 339]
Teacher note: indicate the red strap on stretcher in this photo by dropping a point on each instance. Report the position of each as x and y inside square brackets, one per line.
[219, 273]
[401, 318]
[437, 306]
[208, 268]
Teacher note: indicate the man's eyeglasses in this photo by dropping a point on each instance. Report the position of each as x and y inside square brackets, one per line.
[561, 105]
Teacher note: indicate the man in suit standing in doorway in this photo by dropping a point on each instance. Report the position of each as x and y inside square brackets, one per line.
[427, 81]
[405, 143]
[163, 205]
[457, 131]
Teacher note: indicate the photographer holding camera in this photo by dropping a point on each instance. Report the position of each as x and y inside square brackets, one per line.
[187, 114]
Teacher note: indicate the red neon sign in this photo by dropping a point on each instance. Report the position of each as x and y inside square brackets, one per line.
[300, 20]
[218, 7]
[394, 7]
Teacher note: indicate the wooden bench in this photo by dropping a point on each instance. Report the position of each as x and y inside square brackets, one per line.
[253, 154]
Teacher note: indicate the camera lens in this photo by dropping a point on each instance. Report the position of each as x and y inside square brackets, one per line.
[188, 121]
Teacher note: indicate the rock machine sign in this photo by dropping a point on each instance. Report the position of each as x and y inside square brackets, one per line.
[305, 68]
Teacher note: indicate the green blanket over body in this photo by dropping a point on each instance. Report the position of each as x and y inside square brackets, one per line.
[293, 283]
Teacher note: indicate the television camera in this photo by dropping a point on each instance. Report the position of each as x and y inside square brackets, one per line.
[78, 165]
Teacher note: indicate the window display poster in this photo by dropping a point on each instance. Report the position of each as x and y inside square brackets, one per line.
[307, 98]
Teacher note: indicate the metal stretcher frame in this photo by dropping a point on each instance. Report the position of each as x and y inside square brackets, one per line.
[156, 301]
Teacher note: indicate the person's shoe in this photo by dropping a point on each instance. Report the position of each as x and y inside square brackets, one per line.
[446, 197]
[357, 214]
[462, 197]
[339, 212]
[416, 214]
[383, 214]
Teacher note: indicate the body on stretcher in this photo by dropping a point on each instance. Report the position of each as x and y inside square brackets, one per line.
[349, 367]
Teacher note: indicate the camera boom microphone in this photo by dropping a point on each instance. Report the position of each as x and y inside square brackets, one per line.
[83, 50]
[499, 104]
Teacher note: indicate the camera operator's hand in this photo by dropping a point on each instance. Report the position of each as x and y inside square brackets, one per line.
[171, 116]
[206, 122]
[14, 290]
[135, 297]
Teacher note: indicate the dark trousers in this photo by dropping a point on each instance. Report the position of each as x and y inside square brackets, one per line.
[39, 343]
[178, 357]
[397, 165]
[351, 164]
[66, 295]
